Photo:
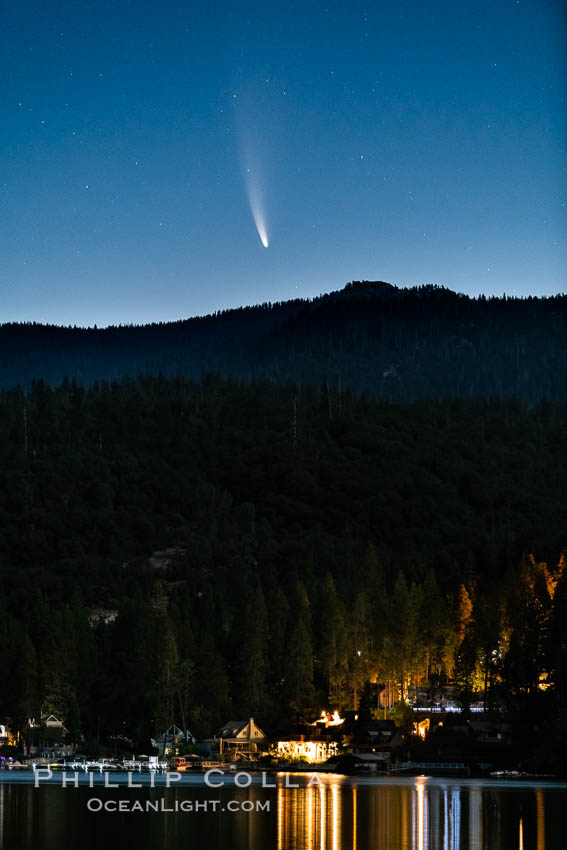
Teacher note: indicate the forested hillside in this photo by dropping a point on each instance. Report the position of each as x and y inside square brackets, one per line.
[266, 549]
[394, 343]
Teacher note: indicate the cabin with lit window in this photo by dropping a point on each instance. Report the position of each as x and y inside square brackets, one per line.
[315, 741]
[7, 737]
[170, 741]
[312, 751]
[241, 739]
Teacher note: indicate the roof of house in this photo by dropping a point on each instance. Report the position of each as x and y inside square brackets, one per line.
[232, 727]
[174, 732]
[49, 721]
[244, 729]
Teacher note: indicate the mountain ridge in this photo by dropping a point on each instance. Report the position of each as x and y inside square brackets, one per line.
[397, 344]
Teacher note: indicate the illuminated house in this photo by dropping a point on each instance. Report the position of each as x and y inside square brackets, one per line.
[314, 742]
[421, 728]
[241, 739]
[315, 751]
[7, 738]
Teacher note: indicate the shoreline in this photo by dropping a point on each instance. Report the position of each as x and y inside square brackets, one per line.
[293, 780]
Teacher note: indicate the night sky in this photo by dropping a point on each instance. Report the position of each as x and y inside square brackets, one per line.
[404, 141]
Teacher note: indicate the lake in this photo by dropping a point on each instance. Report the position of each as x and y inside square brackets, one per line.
[329, 812]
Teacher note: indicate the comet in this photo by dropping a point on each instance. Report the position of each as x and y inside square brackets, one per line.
[252, 108]
[256, 206]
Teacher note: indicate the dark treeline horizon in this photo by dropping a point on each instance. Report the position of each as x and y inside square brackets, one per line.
[370, 337]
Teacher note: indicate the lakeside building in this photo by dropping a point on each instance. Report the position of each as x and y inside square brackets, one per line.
[313, 751]
[315, 741]
[7, 737]
[240, 739]
[46, 736]
[169, 741]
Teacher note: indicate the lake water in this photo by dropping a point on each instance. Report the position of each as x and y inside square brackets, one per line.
[334, 813]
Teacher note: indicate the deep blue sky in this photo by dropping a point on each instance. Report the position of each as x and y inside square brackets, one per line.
[403, 141]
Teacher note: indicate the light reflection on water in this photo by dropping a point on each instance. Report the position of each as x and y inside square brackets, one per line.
[424, 815]
[540, 820]
[334, 813]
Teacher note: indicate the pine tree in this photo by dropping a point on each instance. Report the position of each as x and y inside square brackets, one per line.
[252, 657]
[331, 643]
[299, 661]
[359, 661]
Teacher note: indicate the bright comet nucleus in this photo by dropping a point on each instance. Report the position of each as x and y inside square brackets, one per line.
[261, 233]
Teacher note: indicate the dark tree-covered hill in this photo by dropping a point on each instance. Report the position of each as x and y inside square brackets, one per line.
[396, 344]
[90, 479]
[174, 551]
